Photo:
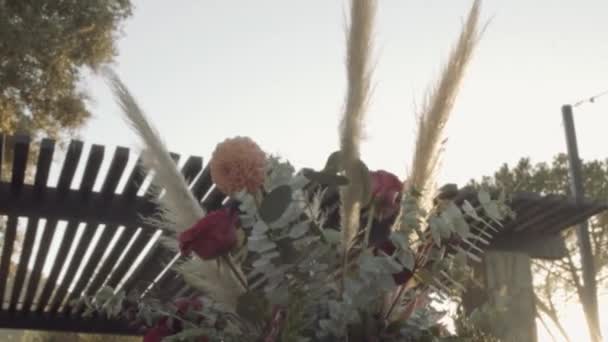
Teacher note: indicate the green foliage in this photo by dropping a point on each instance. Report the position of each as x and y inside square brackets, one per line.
[553, 178]
[44, 44]
[45, 336]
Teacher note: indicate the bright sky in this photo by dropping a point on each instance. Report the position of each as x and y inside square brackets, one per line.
[274, 70]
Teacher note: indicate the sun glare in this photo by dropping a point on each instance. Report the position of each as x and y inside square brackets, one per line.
[573, 321]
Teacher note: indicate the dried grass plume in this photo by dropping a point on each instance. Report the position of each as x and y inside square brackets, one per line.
[359, 70]
[438, 105]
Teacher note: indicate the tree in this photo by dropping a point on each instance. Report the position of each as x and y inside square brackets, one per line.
[44, 45]
[561, 277]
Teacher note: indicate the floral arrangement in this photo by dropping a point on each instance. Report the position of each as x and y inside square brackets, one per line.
[337, 254]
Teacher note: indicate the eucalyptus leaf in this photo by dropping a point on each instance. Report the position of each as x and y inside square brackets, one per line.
[406, 257]
[299, 229]
[332, 236]
[299, 181]
[470, 210]
[261, 246]
[399, 239]
[252, 306]
[491, 209]
[275, 203]
[436, 235]
[326, 178]
[334, 163]
[259, 228]
[484, 196]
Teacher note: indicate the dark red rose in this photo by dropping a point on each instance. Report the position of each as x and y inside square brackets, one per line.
[187, 304]
[386, 190]
[159, 331]
[214, 235]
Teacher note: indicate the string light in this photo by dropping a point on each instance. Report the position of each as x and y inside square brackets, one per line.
[591, 99]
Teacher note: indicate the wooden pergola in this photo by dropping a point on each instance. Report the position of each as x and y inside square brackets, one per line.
[116, 248]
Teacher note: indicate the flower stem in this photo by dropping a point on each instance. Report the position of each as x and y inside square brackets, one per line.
[368, 225]
[235, 270]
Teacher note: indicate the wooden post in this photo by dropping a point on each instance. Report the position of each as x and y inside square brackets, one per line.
[589, 297]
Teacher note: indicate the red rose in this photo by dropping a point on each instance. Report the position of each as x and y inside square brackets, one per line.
[386, 189]
[158, 332]
[187, 304]
[212, 236]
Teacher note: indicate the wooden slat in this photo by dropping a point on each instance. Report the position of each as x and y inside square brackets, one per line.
[72, 267]
[142, 274]
[134, 183]
[36, 273]
[202, 184]
[2, 138]
[135, 180]
[22, 147]
[66, 324]
[72, 157]
[43, 167]
[117, 168]
[62, 254]
[136, 248]
[91, 171]
[108, 189]
[161, 255]
[169, 286]
[102, 244]
[24, 258]
[191, 168]
[7, 250]
[110, 262]
[214, 200]
[69, 206]
[69, 166]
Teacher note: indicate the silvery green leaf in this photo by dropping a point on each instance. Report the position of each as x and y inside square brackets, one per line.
[187, 334]
[299, 181]
[261, 262]
[368, 263]
[452, 211]
[279, 296]
[411, 220]
[276, 203]
[461, 227]
[332, 236]
[446, 227]
[299, 229]
[435, 227]
[260, 246]
[491, 209]
[279, 172]
[259, 228]
[148, 316]
[247, 220]
[484, 196]
[400, 239]
[470, 210]
[247, 201]
[104, 294]
[353, 286]
[389, 264]
[406, 258]
[385, 282]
